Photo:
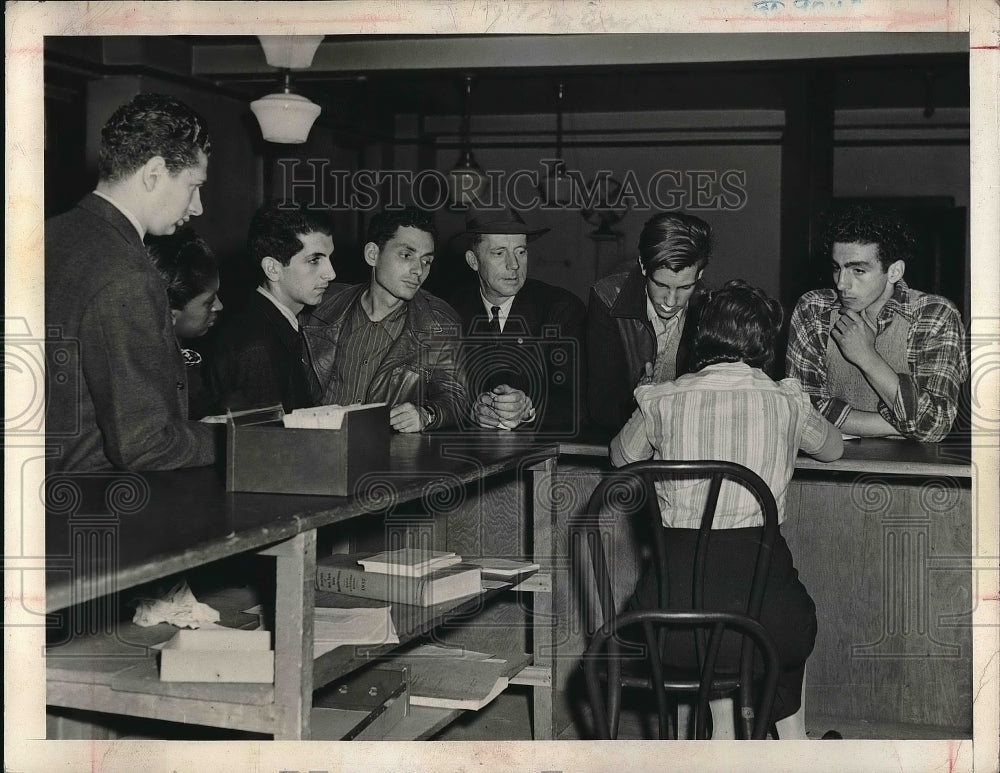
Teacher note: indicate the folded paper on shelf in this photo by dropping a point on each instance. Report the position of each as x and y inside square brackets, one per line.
[357, 625]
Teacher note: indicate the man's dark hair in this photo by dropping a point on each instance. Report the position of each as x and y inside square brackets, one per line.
[275, 230]
[674, 240]
[385, 224]
[186, 263]
[736, 323]
[860, 224]
[151, 125]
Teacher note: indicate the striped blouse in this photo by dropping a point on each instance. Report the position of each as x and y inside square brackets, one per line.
[728, 412]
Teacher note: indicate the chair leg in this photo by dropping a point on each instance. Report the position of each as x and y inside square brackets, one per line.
[723, 722]
[684, 730]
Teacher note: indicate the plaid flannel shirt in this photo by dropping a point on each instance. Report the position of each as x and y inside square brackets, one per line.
[927, 399]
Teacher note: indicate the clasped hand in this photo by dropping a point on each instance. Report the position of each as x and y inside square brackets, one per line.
[502, 406]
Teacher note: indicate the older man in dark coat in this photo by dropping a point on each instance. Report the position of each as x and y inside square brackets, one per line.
[524, 338]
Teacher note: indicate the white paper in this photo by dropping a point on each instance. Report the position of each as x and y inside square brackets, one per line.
[323, 416]
[178, 607]
[335, 627]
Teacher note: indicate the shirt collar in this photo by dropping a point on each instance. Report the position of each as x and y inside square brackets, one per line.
[285, 311]
[897, 303]
[504, 308]
[125, 211]
[659, 324]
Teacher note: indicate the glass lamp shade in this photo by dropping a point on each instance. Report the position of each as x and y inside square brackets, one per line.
[468, 182]
[285, 118]
[556, 188]
[290, 52]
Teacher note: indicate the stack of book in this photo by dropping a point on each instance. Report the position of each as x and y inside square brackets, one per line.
[407, 576]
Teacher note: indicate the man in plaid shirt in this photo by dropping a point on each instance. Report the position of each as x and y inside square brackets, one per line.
[875, 356]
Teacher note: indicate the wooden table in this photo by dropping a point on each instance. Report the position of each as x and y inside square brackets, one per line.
[108, 532]
[882, 539]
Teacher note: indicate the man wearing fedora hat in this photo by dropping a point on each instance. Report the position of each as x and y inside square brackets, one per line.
[523, 337]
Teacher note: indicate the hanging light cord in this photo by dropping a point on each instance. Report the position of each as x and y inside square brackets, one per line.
[466, 122]
[559, 124]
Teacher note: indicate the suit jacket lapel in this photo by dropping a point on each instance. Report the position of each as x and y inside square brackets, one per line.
[108, 212]
[288, 337]
[525, 316]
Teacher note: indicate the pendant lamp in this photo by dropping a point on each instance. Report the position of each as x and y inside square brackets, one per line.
[287, 117]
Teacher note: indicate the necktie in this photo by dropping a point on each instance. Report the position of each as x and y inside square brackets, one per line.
[495, 321]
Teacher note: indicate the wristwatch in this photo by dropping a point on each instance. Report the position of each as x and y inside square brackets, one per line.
[428, 414]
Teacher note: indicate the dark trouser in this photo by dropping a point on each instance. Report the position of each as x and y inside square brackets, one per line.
[788, 613]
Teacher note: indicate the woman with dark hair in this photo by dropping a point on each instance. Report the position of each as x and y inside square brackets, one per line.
[726, 408]
[191, 272]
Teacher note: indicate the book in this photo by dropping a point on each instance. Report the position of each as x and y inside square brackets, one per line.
[342, 574]
[500, 568]
[409, 562]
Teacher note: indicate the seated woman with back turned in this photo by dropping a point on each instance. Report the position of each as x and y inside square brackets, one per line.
[727, 409]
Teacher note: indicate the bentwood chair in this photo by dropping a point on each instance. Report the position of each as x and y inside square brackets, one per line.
[610, 643]
[625, 492]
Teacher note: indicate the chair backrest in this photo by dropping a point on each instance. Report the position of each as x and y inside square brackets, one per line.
[655, 622]
[631, 488]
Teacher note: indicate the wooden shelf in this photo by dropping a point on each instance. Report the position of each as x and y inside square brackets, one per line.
[206, 709]
[116, 673]
[420, 723]
[411, 622]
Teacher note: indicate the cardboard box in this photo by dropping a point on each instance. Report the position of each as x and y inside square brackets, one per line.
[270, 458]
[214, 655]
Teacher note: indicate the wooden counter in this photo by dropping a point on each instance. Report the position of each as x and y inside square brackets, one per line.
[866, 455]
[168, 522]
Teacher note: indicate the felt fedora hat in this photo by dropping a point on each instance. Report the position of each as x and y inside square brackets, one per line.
[498, 221]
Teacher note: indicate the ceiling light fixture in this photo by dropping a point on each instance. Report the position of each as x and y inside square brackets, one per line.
[467, 180]
[287, 117]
